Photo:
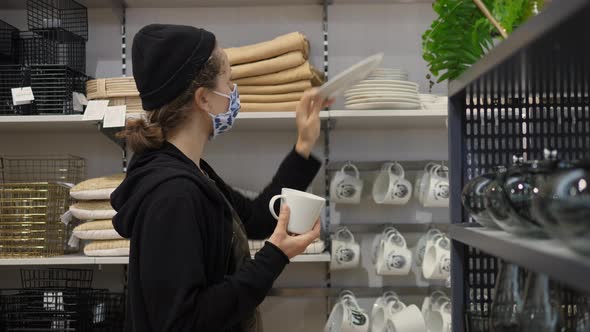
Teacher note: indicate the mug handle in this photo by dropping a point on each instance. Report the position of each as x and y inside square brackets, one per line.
[271, 205]
[442, 238]
[440, 304]
[396, 304]
[403, 239]
[398, 168]
[432, 232]
[350, 165]
[344, 230]
[429, 166]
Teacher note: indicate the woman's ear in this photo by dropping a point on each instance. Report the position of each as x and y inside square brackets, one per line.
[202, 99]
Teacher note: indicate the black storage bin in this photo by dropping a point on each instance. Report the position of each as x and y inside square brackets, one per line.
[13, 76]
[8, 44]
[56, 278]
[64, 16]
[50, 47]
[53, 86]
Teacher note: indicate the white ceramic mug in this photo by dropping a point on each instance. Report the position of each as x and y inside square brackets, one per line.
[436, 189]
[395, 257]
[382, 302]
[384, 313]
[305, 209]
[347, 316]
[422, 179]
[391, 187]
[437, 260]
[420, 248]
[346, 188]
[429, 300]
[408, 320]
[346, 252]
[439, 318]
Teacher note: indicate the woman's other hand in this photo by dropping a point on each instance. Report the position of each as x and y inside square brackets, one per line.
[292, 245]
[308, 120]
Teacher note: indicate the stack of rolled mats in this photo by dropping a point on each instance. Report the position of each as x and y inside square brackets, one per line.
[94, 208]
[273, 75]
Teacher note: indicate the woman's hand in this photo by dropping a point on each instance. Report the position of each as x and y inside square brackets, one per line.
[292, 245]
[308, 120]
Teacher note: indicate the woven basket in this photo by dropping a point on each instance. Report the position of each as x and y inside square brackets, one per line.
[103, 88]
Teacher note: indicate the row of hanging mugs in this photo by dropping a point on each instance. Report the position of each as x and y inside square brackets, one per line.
[391, 256]
[431, 187]
[390, 313]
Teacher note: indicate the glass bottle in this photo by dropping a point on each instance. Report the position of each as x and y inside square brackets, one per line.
[509, 299]
[542, 311]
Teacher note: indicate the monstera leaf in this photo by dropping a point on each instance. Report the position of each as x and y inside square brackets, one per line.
[462, 34]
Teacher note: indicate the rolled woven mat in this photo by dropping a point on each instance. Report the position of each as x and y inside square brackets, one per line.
[278, 98]
[294, 41]
[270, 107]
[133, 103]
[107, 248]
[96, 230]
[273, 65]
[274, 89]
[111, 87]
[97, 188]
[318, 77]
[299, 73]
[86, 210]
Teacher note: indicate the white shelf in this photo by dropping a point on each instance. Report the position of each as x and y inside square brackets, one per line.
[389, 119]
[46, 123]
[79, 259]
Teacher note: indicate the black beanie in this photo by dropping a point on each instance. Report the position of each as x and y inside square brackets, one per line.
[166, 58]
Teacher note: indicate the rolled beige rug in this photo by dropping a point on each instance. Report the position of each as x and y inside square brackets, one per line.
[278, 98]
[93, 210]
[274, 89]
[96, 230]
[294, 41]
[299, 73]
[107, 248]
[273, 65]
[97, 188]
[270, 107]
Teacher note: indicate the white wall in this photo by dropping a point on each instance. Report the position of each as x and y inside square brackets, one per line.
[248, 159]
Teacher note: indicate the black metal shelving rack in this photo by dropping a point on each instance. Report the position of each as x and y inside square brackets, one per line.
[529, 93]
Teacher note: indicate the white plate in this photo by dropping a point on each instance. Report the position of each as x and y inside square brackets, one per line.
[381, 78]
[390, 82]
[388, 89]
[350, 76]
[393, 96]
[382, 100]
[389, 70]
[384, 106]
[379, 86]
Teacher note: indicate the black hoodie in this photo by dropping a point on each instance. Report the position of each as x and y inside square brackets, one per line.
[181, 231]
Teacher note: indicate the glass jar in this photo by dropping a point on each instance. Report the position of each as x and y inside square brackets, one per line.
[542, 311]
[509, 299]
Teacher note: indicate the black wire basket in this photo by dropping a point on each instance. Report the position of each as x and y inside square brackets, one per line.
[14, 76]
[8, 44]
[53, 86]
[56, 278]
[63, 16]
[51, 47]
[61, 310]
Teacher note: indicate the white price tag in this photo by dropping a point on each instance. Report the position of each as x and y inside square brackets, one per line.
[79, 101]
[67, 217]
[74, 241]
[96, 109]
[115, 117]
[22, 96]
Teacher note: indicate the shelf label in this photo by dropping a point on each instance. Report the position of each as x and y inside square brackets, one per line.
[96, 109]
[22, 96]
[67, 217]
[115, 117]
[79, 101]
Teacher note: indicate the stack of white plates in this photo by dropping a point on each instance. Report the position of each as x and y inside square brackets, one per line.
[384, 89]
[434, 101]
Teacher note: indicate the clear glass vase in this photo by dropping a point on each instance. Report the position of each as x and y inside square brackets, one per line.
[542, 311]
[509, 299]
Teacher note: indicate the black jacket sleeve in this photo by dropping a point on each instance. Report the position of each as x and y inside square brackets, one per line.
[295, 172]
[172, 270]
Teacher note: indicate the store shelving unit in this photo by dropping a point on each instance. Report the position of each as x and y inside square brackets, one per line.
[46, 123]
[79, 259]
[529, 93]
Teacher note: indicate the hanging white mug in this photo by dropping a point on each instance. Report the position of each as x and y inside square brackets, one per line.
[346, 188]
[346, 252]
[422, 179]
[408, 320]
[382, 302]
[396, 258]
[391, 187]
[439, 318]
[437, 260]
[346, 318]
[385, 313]
[420, 248]
[429, 301]
[305, 209]
[437, 190]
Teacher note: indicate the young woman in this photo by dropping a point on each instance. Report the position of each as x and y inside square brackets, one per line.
[190, 267]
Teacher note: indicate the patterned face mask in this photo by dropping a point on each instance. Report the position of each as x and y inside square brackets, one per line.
[224, 121]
